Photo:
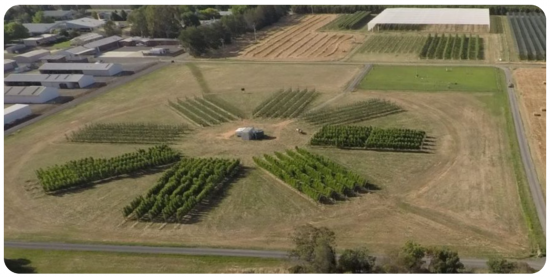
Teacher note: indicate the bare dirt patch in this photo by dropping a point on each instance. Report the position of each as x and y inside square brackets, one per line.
[302, 41]
[531, 86]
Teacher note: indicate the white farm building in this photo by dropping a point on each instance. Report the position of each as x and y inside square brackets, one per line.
[95, 69]
[50, 80]
[31, 57]
[29, 95]
[15, 112]
[421, 18]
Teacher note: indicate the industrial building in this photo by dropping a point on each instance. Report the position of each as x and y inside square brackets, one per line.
[104, 44]
[85, 38]
[422, 17]
[95, 69]
[29, 95]
[50, 80]
[41, 40]
[15, 48]
[81, 51]
[31, 57]
[9, 65]
[84, 24]
[15, 112]
[42, 28]
[249, 133]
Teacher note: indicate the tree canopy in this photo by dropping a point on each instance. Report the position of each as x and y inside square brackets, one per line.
[14, 30]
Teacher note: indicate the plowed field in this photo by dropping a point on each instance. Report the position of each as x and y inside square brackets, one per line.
[302, 41]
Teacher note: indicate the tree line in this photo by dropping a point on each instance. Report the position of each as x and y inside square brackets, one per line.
[315, 252]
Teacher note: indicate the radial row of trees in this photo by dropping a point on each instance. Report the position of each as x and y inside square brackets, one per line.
[87, 170]
[181, 188]
[204, 112]
[139, 133]
[313, 175]
[285, 103]
[353, 113]
[367, 137]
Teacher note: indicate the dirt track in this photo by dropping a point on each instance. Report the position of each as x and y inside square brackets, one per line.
[302, 41]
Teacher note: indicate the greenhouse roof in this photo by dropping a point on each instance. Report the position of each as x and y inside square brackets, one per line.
[433, 16]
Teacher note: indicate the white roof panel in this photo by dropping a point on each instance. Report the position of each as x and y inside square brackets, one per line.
[432, 16]
[14, 108]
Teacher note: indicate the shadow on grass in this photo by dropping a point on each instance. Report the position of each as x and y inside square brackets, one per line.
[19, 266]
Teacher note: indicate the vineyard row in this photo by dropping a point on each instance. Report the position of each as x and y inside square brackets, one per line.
[353, 113]
[285, 104]
[204, 112]
[139, 133]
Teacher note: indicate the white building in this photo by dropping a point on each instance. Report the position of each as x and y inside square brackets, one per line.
[31, 57]
[42, 28]
[41, 40]
[431, 16]
[29, 95]
[85, 24]
[50, 80]
[94, 69]
[15, 112]
[9, 65]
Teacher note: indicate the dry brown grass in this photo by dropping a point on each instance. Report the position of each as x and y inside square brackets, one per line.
[302, 41]
[532, 90]
[462, 196]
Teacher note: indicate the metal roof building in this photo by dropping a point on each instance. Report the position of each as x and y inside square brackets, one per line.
[249, 133]
[41, 39]
[104, 44]
[41, 28]
[9, 65]
[84, 24]
[31, 57]
[29, 95]
[95, 69]
[431, 16]
[15, 112]
[86, 38]
[50, 80]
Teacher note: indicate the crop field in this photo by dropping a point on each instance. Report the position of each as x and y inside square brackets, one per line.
[204, 112]
[353, 113]
[453, 47]
[529, 32]
[367, 137]
[425, 78]
[462, 195]
[285, 104]
[302, 41]
[400, 44]
[139, 133]
[532, 91]
[348, 21]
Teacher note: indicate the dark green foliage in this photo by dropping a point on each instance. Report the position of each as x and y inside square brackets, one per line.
[139, 133]
[353, 113]
[452, 47]
[356, 261]
[314, 250]
[181, 188]
[496, 265]
[315, 176]
[349, 21]
[204, 112]
[285, 104]
[87, 170]
[411, 257]
[445, 261]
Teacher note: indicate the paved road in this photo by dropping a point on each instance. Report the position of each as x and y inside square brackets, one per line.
[468, 262]
[530, 172]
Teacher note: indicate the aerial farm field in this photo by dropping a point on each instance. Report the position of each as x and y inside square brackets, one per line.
[302, 41]
[461, 194]
[531, 87]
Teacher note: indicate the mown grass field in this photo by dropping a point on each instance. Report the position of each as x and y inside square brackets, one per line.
[56, 261]
[426, 78]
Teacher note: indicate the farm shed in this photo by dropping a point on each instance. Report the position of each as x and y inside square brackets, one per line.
[16, 48]
[95, 69]
[133, 41]
[41, 40]
[9, 65]
[80, 51]
[249, 133]
[104, 44]
[86, 38]
[59, 14]
[50, 80]
[31, 57]
[15, 112]
[42, 28]
[420, 17]
[85, 24]
[29, 95]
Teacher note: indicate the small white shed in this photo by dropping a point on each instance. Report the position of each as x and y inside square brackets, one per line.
[15, 112]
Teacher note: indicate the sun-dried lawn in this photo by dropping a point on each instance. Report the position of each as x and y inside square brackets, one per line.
[461, 196]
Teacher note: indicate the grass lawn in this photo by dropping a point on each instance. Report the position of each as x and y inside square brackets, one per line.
[431, 78]
[42, 261]
[62, 45]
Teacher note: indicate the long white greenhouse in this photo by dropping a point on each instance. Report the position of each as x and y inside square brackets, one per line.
[419, 17]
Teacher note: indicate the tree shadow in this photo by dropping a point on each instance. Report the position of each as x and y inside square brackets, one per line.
[19, 266]
[266, 137]
[214, 200]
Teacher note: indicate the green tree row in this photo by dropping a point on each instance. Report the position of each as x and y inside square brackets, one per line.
[181, 188]
[453, 47]
[348, 21]
[87, 170]
[285, 104]
[139, 133]
[204, 112]
[353, 113]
